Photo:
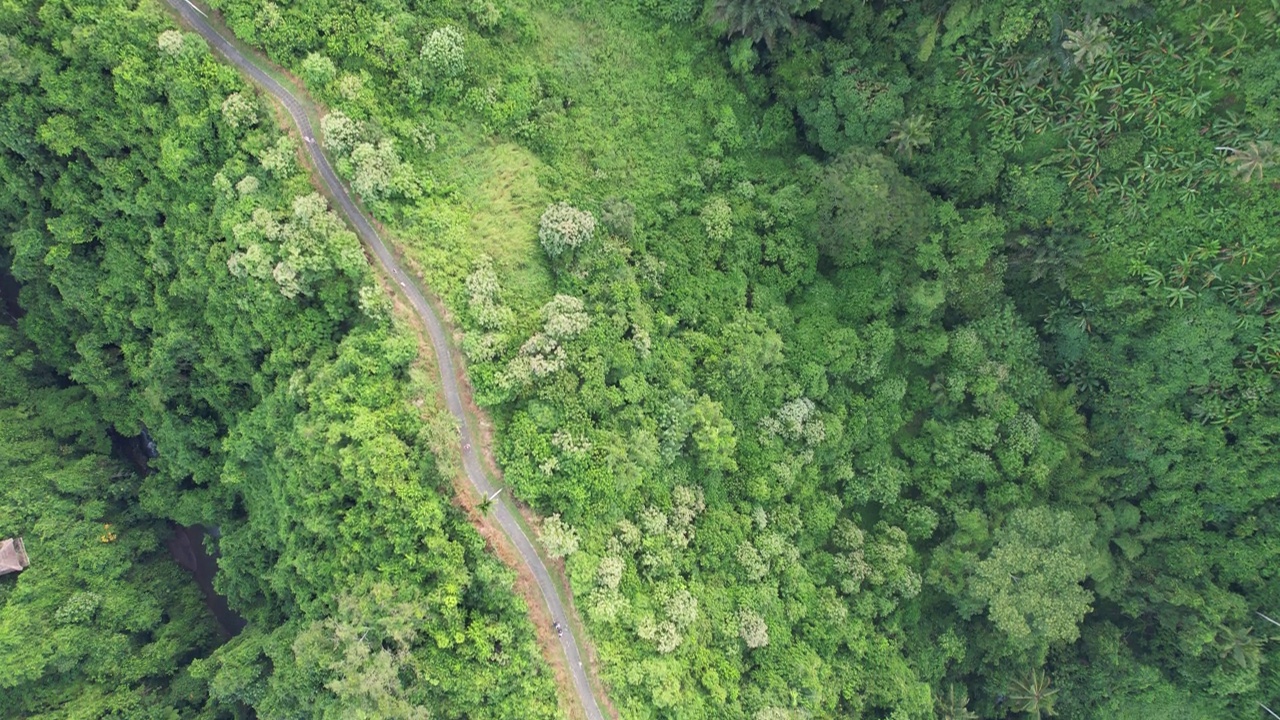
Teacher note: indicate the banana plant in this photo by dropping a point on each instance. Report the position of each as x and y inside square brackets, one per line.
[1179, 295]
[1194, 105]
[1269, 18]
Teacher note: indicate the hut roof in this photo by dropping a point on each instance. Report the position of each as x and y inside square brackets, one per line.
[13, 556]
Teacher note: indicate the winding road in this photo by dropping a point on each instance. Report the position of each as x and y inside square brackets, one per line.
[502, 510]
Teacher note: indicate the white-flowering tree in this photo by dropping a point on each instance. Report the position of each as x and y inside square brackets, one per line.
[759, 518]
[779, 551]
[538, 357]
[558, 537]
[662, 633]
[717, 219]
[609, 571]
[310, 246]
[564, 228]
[223, 185]
[571, 444]
[253, 262]
[374, 167]
[285, 274]
[653, 520]
[608, 605]
[340, 132]
[247, 186]
[171, 43]
[667, 637]
[851, 565]
[349, 86]
[686, 504]
[797, 421]
[543, 354]
[752, 563]
[681, 607]
[279, 159]
[443, 52]
[484, 296]
[752, 628]
[628, 533]
[239, 111]
[566, 318]
[373, 302]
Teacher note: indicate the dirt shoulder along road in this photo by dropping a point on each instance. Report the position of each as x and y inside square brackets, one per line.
[502, 510]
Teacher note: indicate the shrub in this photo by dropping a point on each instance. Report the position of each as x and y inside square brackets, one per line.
[318, 70]
[619, 218]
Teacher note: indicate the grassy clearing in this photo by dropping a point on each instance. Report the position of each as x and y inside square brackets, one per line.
[632, 127]
[498, 201]
[642, 116]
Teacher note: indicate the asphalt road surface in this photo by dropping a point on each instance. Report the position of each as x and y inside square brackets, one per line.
[196, 19]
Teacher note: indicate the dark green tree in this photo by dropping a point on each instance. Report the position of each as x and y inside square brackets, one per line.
[757, 20]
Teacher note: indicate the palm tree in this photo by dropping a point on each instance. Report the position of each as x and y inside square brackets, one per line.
[756, 19]
[953, 707]
[910, 133]
[1089, 43]
[1240, 645]
[1253, 159]
[1033, 694]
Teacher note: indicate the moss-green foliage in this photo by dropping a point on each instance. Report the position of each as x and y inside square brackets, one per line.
[176, 270]
[835, 359]
[103, 623]
[921, 351]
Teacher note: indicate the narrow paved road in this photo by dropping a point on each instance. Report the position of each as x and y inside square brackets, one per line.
[196, 19]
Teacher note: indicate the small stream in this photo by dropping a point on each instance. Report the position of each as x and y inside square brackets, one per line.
[186, 545]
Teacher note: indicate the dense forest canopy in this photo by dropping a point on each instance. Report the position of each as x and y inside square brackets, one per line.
[178, 272]
[866, 360]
